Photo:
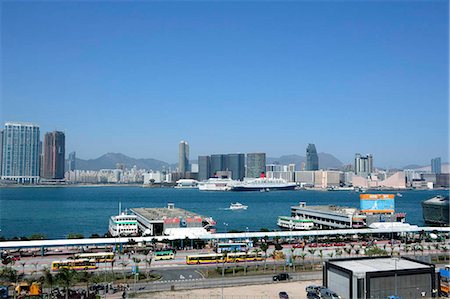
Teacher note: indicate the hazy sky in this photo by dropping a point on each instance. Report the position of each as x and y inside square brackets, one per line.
[138, 77]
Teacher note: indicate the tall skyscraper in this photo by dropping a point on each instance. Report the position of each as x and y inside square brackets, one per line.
[236, 164]
[204, 168]
[218, 163]
[363, 164]
[54, 155]
[436, 165]
[20, 152]
[183, 157]
[312, 159]
[256, 165]
[71, 165]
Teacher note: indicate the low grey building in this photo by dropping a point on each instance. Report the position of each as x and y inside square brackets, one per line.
[380, 277]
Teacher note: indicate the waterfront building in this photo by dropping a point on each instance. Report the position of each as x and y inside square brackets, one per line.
[327, 178]
[153, 177]
[171, 221]
[436, 211]
[204, 168]
[443, 180]
[304, 178]
[123, 225]
[20, 152]
[183, 158]
[436, 165]
[71, 165]
[218, 163]
[54, 155]
[288, 176]
[363, 164]
[256, 165]
[312, 159]
[396, 180]
[236, 164]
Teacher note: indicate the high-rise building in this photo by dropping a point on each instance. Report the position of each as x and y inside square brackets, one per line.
[71, 165]
[204, 168]
[20, 152]
[54, 155]
[363, 164]
[256, 165]
[312, 159]
[183, 158]
[236, 164]
[436, 165]
[218, 163]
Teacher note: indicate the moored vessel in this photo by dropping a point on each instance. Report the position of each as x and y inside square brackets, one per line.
[294, 223]
[238, 206]
[263, 184]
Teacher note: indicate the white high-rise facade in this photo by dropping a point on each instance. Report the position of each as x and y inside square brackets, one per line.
[20, 152]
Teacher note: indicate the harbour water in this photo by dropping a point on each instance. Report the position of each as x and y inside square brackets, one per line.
[58, 211]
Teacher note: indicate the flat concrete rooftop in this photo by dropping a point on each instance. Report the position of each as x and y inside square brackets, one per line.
[162, 213]
[362, 266]
[330, 209]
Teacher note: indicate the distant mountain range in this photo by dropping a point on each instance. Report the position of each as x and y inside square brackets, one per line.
[110, 160]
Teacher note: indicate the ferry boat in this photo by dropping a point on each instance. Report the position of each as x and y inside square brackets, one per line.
[295, 223]
[186, 184]
[238, 206]
[216, 184]
[123, 225]
[263, 184]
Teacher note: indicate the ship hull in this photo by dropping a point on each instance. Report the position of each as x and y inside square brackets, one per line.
[264, 188]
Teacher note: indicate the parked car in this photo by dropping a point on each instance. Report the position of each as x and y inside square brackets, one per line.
[313, 289]
[283, 295]
[312, 295]
[328, 294]
[281, 277]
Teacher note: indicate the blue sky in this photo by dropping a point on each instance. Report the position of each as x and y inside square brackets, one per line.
[138, 77]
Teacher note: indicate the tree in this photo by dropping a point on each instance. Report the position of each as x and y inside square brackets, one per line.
[303, 256]
[312, 252]
[8, 274]
[148, 263]
[66, 278]
[35, 264]
[48, 278]
[85, 276]
[321, 255]
[124, 265]
[37, 237]
[23, 267]
[264, 247]
[374, 250]
[75, 236]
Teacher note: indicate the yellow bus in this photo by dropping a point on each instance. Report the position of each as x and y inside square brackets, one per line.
[207, 258]
[163, 255]
[98, 257]
[215, 258]
[81, 264]
[242, 257]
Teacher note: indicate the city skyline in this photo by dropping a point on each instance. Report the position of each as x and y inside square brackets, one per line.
[251, 80]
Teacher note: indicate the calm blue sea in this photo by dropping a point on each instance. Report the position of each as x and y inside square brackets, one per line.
[57, 212]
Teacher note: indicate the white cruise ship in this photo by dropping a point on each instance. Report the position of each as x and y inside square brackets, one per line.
[215, 184]
[263, 184]
[295, 223]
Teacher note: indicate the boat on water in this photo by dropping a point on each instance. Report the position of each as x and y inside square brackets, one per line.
[238, 206]
[335, 188]
[399, 194]
[295, 223]
[216, 184]
[123, 225]
[186, 184]
[263, 184]
[436, 211]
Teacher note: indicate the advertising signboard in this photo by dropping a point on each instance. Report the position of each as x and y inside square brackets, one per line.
[377, 203]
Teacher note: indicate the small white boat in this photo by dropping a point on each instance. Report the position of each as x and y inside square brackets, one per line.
[399, 194]
[238, 206]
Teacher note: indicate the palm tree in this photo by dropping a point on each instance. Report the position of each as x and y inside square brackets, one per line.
[124, 264]
[66, 277]
[245, 261]
[85, 276]
[23, 267]
[148, 263]
[257, 251]
[303, 256]
[235, 261]
[331, 254]
[48, 278]
[264, 247]
[312, 252]
[35, 264]
[321, 256]
[339, 252]
[293, 258]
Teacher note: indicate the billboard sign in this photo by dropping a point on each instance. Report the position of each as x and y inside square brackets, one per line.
[377, 203]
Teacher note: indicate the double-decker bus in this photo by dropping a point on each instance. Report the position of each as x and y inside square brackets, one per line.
[214, 258]
[163, 255]
[81, 264]
[444, 281]
[98, 257]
